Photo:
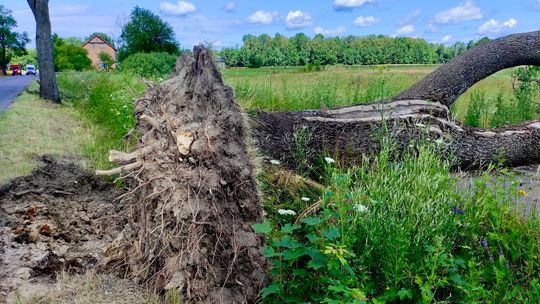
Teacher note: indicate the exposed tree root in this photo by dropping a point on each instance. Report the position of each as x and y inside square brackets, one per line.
[195, 197]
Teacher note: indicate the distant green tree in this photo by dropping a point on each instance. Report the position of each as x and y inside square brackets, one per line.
[11, 43]
[69, 57]
[103, 36]
[73, 41]
[106, 60]
[29, 58]
[374, 49]
[146, 32]
[149, 65]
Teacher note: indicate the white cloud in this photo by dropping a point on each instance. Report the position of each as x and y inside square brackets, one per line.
[297, 20]
[411, 17]
[365, 21]
[229, 7]
[432, 27]
[463, 12]
[182, 8]
[262, 17]
[494, 26]
[330, 32]
[405, 30]
[446, 38]
[350, 4]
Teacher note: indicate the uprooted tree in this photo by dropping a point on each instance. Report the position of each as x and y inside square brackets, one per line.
[193, 189]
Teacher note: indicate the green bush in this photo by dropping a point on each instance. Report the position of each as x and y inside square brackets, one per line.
[70, 57]
[402, 232]
[105, 100]
[255, 61]
[149, 65]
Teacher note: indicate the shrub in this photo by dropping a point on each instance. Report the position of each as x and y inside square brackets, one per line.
[477, 113]
[70, 57]
[149, 65]
[255, 61]
[106, 60]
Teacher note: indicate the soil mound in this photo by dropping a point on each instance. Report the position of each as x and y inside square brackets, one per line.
[60, 217]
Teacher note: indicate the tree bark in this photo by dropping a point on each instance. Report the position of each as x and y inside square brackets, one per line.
[48, 88]
[353, 132]
[452, 79]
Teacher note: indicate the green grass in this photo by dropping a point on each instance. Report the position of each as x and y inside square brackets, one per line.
[105, 100]
[291, 88]
[30, 128]
[397, 230]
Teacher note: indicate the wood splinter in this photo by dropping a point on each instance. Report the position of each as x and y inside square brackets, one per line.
[121, 169]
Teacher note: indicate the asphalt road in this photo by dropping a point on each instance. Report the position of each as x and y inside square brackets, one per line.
[10, 87]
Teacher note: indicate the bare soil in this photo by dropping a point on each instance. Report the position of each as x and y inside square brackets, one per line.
[60, 217]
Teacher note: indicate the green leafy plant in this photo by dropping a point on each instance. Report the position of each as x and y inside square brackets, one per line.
[398, 230]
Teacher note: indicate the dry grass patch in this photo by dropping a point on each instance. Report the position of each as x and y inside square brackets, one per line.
[92, 288]
[31, 127]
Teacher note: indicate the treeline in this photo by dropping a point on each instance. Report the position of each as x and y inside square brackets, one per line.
[302, 50]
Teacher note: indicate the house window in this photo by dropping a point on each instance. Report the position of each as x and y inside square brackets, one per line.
[101, 45]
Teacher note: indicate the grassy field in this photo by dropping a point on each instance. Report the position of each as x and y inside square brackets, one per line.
[30, 128]
[286, 89]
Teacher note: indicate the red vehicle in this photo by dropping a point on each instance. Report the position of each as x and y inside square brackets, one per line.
[15, 69]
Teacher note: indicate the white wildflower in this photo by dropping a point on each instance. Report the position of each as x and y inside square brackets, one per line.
[274, 162]
[329, 160]
[420, 125]
[360, 208]
[305, 199]
[286, 212]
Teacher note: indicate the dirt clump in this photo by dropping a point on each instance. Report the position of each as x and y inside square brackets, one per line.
[60, 217]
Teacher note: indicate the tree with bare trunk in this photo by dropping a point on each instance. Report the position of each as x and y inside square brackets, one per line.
[193, 190]
[48, 88]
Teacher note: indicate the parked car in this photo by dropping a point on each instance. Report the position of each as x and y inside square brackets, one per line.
[30, 69]
[15, 69]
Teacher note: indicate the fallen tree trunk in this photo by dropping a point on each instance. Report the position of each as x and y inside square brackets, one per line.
[352, 132]
[452, 79]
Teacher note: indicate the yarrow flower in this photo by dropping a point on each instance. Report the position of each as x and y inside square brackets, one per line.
[305, 199]
[458, 210]
[360, 208]
[521, 192]
[286, 212]
[329, 160]
[274, 162]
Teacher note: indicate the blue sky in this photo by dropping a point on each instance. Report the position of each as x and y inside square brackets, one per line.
[224, 22]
